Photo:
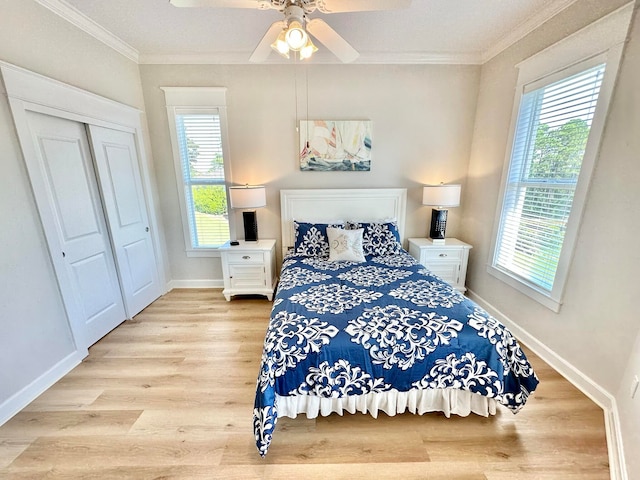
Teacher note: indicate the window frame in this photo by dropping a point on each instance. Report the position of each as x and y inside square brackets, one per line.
[197, 100]
[600, 42]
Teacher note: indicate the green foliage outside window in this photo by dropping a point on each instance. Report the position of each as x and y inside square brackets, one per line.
[557, 153]
[557, 159]
[554, 169]
[210, 199]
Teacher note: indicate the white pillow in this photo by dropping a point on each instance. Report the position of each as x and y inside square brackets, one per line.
[345, 244]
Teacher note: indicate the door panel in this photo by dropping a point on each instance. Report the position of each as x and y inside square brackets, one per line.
[123, 184]
[70, 186]
[69, 178]
[140, 265]
[117, 164]
[96, 301]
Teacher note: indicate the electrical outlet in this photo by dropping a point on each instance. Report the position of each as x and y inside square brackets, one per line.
[634, 386]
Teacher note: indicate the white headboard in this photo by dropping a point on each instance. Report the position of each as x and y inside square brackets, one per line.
[325, 205]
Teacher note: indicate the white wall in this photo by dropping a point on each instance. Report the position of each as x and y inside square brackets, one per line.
[422, 123]
[598, 323]
[620, 153]
[34, 332]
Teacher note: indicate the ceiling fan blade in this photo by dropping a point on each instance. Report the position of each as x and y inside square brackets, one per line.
[343, 6]
[260, 4]
[330, 39]
[262, 51]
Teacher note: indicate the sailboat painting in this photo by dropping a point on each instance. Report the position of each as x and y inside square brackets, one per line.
[327, 145]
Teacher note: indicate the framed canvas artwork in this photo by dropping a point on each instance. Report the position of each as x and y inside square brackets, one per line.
[328, 145]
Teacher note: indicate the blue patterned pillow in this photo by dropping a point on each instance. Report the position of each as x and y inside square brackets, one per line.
[379, 239]
[311, 238]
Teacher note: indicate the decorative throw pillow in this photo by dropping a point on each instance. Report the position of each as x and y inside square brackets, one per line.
[345, 244]
[379, 239]
[311, 238]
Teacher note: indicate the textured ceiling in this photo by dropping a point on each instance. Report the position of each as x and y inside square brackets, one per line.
[462, 31]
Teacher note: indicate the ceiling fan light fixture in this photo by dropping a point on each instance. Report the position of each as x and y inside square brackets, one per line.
[280, 45]
[296, 36]
[308, 50]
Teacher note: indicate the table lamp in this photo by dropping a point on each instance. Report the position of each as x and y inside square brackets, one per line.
[440, 196]
[248, 198]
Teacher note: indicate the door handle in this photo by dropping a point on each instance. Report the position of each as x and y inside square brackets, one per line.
[146, 229]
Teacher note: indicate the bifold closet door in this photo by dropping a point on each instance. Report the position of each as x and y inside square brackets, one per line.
[119, 175]
[67, 189]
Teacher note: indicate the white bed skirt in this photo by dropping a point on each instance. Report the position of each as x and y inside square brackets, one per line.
[447, 401]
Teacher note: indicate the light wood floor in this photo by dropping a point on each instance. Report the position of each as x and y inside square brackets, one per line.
[170, 395]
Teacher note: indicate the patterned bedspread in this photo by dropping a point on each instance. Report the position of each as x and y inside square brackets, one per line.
[347, 328]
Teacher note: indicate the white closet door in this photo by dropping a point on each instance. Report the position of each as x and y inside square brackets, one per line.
[71, 191]
[117, 164]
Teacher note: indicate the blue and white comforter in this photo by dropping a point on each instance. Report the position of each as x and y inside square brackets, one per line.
[346, 328]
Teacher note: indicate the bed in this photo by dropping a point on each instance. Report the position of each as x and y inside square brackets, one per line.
[357, 325]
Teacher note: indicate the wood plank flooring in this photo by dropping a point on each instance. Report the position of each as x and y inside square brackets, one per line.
[169, 395]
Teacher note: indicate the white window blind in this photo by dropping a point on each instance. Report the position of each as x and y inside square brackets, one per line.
[199, 138]
[550, 138]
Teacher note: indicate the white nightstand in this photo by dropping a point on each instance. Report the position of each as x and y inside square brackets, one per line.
[448, 261]
[249, 268]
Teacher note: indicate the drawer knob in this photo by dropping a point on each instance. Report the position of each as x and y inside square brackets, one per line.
[443, 255]
[246, 257]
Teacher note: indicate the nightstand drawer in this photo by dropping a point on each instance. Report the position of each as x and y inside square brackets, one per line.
[435, 254]
[240, 258]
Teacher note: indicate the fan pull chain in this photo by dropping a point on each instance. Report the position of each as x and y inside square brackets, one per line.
[306, 71]
[295, 86]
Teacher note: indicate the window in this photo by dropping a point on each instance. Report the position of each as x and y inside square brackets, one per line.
[555, 136]
[551, 137]
[197, 126]
[202, 162]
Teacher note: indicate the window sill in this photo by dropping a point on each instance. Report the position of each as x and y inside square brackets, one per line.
[537, 295]
[203, 252]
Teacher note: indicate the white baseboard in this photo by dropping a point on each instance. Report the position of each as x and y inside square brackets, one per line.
[24, 397]
[207, 283]
[618, 466]
[581, 381]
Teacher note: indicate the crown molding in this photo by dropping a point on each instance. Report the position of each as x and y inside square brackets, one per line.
[84, 23]
[525, 29]
[421, 58]
[198, 59]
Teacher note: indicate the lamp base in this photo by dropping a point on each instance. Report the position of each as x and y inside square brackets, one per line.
[438, 225]
[250, 226]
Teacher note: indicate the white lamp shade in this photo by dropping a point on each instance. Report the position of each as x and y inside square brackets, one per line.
[249, 196]
[441, 195]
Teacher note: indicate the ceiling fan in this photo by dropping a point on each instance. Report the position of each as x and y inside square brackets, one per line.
[291, 34]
